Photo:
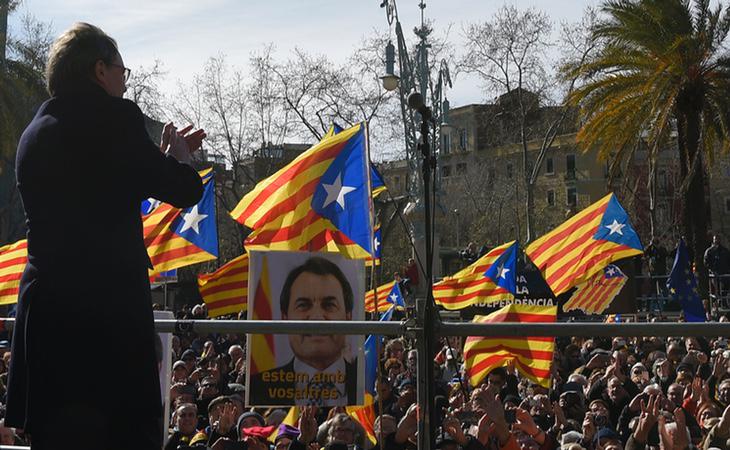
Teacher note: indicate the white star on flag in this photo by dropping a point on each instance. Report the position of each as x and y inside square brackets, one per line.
[154, 203]
[376, 243]
[336, 191]
[393, 298]
[503, 272]
[192, 220]
[610, 271]
[616, 227]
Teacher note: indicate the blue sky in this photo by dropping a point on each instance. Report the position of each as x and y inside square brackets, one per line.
[184, 33]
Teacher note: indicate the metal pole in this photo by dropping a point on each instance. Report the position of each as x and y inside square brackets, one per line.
[508, 329]
[429, 319]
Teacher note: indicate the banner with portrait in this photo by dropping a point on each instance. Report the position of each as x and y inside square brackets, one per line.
[310, 369]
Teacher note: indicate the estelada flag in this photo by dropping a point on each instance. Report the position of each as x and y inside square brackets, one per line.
[180, 237]
[225, 291]
[13, 258]
[584, 244]
[321, 201]
[470, 286]
[596, 294]
[532, 355]
[389, 295]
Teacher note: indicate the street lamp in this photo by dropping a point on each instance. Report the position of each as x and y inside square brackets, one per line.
[422, 132]
[390, 79]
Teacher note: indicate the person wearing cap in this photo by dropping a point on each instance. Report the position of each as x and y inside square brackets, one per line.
[222, 414]
[608, 439]
[406, 397]
[179, 372]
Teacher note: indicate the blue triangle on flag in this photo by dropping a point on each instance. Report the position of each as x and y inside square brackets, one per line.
[616, 226]
[503, 270]
[197, 224]
[343, 194]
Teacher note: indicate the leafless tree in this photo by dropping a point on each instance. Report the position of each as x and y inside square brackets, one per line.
[510, 54]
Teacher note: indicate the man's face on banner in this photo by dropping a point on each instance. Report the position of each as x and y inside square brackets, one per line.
[317, 297]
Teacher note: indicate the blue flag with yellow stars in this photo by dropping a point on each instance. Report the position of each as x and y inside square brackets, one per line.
[682, 285]
[503, 269]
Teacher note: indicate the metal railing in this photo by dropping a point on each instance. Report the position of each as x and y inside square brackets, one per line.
[450, 328]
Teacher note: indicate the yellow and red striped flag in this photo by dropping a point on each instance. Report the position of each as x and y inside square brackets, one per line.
[13, 258]
[532, 355]
[382, 301]
[469, 286]
[321, 201]
[596, 294]
[225, 291]
[261, 349]
[179, 237]
[584, 244]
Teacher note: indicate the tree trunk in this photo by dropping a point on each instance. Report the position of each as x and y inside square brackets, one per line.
[4, 10]
[529, 209]
[695, 208]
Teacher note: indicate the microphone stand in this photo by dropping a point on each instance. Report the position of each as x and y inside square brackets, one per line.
[427, 329]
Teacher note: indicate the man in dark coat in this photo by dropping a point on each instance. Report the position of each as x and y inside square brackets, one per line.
[84, 164]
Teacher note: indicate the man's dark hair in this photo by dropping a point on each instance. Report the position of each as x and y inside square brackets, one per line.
[318, 266]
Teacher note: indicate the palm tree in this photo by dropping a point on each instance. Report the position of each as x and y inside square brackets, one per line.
[21, 91]
[661, 66]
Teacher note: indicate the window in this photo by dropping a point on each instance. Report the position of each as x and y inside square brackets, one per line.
[446, 143]
[396, 182]
[509, 171]
[572, 197]
[461, 169]
[445, 171]
[549, 166]
[570, 167]
[463, 137]
[551, 197]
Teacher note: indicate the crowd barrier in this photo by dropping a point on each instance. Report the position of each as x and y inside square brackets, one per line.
[449, 328]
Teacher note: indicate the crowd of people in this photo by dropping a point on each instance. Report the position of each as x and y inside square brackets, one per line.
[605, 394]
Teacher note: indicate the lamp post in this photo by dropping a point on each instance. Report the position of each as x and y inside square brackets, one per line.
[422, 125]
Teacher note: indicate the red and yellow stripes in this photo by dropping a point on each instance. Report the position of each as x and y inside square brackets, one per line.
[262, 345]
[365, 416]
[568, 255]
[533, 356]
[225, 291]
[166, 249]
[13, 258]
[469, 286]
[596, 294]
[279, 210]
[382, 300]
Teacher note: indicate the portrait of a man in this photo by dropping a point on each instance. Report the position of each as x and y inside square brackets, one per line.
[322, 369]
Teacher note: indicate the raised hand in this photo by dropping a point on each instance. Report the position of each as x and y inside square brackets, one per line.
[408, 425]
[525, 422]
[452, 426]
[647, 419]
[307, 424]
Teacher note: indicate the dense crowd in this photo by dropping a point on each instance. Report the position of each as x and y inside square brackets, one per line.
[607, 394]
